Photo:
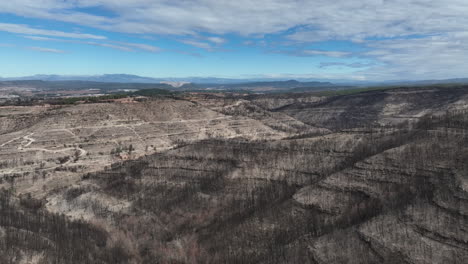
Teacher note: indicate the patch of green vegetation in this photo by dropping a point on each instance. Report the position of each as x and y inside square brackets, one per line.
[96, 99]
[88, 99]
[348, 91]
[153, 92]
[218, 91]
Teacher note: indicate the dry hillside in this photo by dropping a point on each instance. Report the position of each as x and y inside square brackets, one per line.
[373, 177]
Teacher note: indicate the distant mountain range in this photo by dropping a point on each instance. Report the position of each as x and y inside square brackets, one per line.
[116, 78]
[212, 83]
[120, 81]
[272, 86]
[127, 78]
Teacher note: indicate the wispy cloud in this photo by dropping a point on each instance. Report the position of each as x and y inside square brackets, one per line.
[336, 54]
[344, 64]
[144, 47]
[309, 52]
[198, 44]
[48, 50]
[40, 38]
[123, 46]
[24, 29]
[107, 45]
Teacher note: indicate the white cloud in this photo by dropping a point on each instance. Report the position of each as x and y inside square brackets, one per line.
[439, 53]
[49, 50]
[24, 29]
[216, 40]
[321, 19]
[436, 57]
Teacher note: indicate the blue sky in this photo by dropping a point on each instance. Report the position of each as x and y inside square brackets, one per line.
[355, 40]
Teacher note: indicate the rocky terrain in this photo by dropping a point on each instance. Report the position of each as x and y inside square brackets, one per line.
[371, 177]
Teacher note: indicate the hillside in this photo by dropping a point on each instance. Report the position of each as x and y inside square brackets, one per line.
[377, 176]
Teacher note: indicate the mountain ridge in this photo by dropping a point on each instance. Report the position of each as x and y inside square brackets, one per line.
[130, 78]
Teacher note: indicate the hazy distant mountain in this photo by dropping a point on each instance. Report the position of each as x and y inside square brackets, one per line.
[181, 86]
[83, 85]
[128, 78]
[228, 83]
[116, 78]
[126, 81]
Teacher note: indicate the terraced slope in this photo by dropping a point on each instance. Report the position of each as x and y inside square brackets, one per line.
[385, 108]
[62, 143]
